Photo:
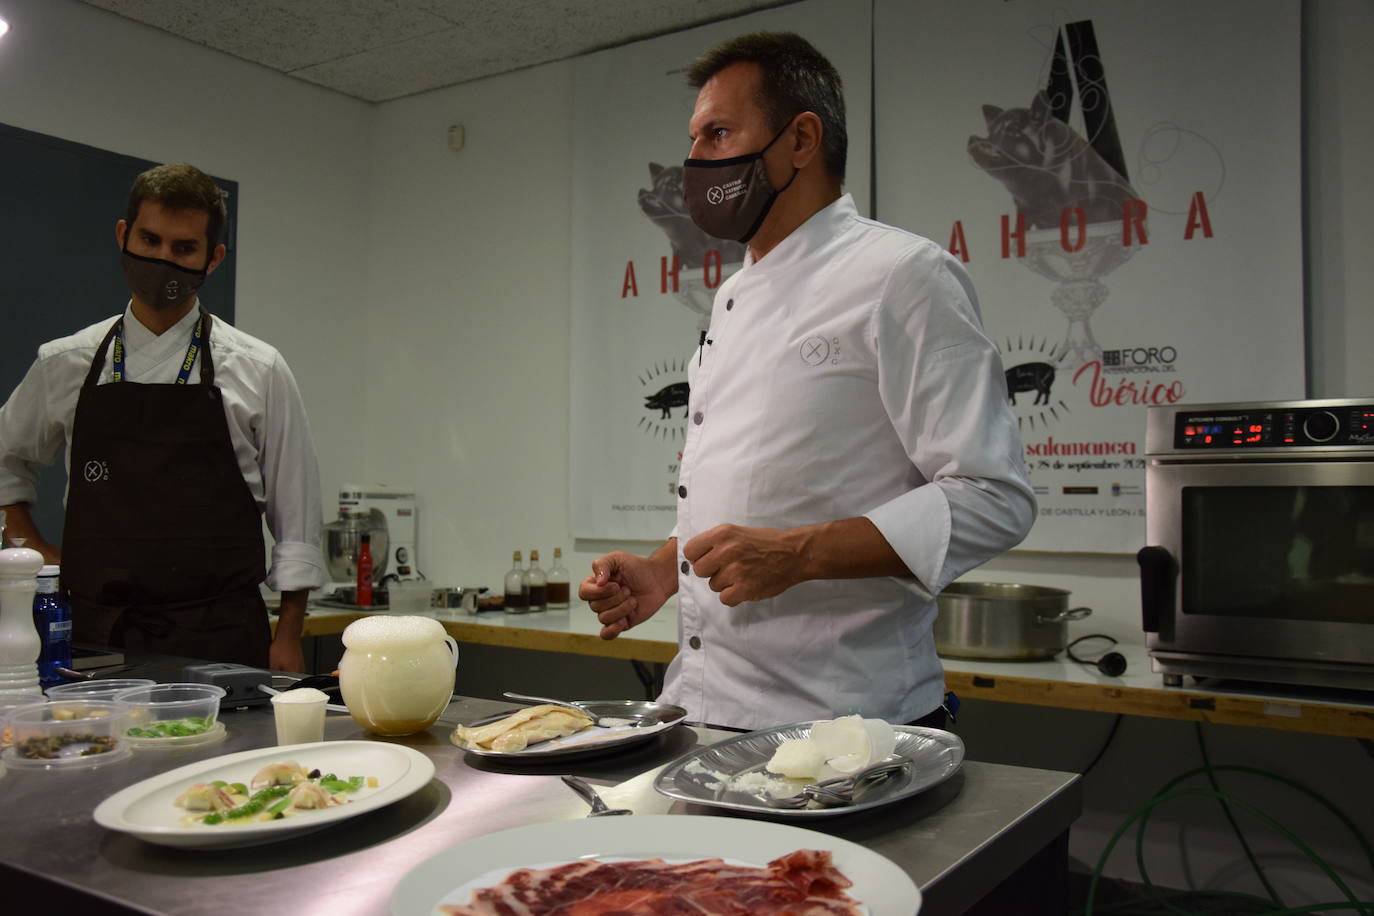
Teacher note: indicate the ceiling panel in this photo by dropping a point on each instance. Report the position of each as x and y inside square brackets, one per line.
[384, 49]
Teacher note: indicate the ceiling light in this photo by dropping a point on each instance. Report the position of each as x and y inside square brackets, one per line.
[4, 27]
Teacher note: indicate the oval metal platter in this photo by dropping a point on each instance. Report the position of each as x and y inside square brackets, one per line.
[594, 740]
[718, 775]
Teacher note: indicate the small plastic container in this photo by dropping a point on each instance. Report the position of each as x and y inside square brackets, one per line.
[96, 689]
[66, 734]
[165, 713]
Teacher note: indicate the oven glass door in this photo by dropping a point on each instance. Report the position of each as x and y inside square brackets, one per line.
[1279, 552]
[1274, 560]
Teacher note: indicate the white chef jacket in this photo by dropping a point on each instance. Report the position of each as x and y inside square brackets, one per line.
[846, 374]
[267, 425]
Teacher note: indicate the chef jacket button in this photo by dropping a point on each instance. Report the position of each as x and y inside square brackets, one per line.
[729, 304]
[682, 491]
[698, 417]
[694, 642]
[686, 567]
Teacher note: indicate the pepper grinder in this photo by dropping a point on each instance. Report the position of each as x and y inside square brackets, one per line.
[19, 641]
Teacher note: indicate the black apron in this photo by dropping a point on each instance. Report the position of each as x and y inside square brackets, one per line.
[162, 549]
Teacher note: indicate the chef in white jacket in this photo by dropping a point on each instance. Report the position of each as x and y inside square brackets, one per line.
[850, 449]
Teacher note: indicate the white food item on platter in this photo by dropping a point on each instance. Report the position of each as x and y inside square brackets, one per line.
[835, 747]
[279, 773]
[798, 758]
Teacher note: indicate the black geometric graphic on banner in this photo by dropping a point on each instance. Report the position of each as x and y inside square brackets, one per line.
[1098, 118]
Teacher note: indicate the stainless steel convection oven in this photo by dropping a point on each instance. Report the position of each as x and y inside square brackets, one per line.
[1260, 534]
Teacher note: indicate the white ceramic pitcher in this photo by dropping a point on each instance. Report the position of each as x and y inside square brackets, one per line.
[397, 672]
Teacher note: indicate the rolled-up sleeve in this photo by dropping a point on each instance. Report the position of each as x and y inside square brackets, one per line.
[291, 486]
[942, 383]
[31, 434]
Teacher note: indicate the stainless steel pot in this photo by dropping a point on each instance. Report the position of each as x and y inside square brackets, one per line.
[995, 620]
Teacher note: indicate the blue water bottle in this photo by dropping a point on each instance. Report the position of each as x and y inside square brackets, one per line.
[52, 618]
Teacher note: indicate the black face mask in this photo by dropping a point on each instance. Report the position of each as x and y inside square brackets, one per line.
[729, 198]
[160, 284]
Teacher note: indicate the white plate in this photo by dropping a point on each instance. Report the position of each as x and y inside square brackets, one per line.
[145, 809]
[447, 877]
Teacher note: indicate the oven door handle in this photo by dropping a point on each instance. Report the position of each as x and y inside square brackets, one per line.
[1157, 574]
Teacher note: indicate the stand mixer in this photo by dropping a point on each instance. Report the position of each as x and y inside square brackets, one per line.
[387, 515]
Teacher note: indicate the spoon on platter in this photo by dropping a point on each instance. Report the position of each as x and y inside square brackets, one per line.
[583, 707]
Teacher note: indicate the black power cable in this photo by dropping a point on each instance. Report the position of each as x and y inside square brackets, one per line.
[1111, 733]
[1112, 664]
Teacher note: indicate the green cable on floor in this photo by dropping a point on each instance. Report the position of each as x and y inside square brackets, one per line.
[1230, 819]
[1167, 796]
[1161, 901]
[1253, 771]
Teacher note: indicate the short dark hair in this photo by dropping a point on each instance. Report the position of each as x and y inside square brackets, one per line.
[795, 77]
[179, 186]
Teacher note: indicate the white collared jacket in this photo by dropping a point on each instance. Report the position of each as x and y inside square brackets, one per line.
[845, 374]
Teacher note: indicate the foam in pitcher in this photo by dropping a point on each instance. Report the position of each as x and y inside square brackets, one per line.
[372, 631]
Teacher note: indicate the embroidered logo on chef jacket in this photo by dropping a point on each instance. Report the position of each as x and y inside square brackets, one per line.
[96, 471]
[816, 350]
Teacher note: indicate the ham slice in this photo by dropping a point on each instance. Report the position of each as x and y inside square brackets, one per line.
[802, 883]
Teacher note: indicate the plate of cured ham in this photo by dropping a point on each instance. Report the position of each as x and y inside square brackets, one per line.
[631, 864]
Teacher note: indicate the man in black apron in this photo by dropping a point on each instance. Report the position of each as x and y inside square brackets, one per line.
[162, 549]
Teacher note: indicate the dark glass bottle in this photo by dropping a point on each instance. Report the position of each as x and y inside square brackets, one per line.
[517, 589]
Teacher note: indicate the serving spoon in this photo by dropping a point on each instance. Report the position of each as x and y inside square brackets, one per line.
[599, 807]
[841, 790]
[599, 721]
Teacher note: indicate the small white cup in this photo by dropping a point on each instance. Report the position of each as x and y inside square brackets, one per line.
[300, 715]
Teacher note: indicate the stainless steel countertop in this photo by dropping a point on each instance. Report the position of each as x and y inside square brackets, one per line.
[956, 841]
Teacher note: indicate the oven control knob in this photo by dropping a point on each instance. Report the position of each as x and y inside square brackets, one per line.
[1321, 426]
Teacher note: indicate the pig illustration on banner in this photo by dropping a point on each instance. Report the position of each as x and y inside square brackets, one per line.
[1047, 166]
[1037, 377]
[668, 397]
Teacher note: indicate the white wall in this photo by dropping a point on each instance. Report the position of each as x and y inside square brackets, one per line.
[299, 153]
[421, 297]
[467, 319]
[1339, 74]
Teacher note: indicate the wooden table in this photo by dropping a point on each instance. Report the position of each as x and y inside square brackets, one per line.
[573, 631]
[1058, 683]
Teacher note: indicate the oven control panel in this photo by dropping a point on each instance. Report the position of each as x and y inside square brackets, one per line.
[1275, 427]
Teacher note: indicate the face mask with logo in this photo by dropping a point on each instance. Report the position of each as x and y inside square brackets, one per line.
[729, 198]
[158, 283]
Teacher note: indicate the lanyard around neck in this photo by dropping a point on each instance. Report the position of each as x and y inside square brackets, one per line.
[117, 357]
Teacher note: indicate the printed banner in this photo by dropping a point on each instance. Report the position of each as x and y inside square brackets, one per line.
[1122, 181]
[643, 275]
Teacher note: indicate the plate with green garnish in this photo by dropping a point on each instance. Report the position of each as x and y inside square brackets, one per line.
[265, 795]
